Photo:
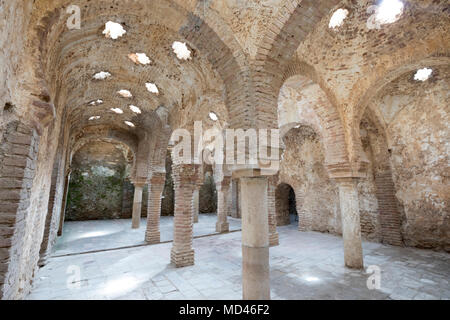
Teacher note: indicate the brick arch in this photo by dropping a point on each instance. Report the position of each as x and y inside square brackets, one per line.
[282, 203]
[211, 36]
[389, 211]
[115, 136]
[329, 125]
[400, 69]
[295, 19]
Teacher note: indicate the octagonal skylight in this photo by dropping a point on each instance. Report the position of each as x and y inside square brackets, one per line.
[94, 118]
[423, 74]
[130, 124]
[213, 116]
[139, 58]
[389, 11]
[181, 50]
[125, 93]
[135, 109]
[151, 87]
[113, 30]
[337, 19]
[117, 110]
[96, 102]
[102, 75]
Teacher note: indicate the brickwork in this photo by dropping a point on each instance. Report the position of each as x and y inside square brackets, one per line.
[155, 190]
[17, 164]
[271, 206]
[54, 209]
[223, 204]
[185, 178]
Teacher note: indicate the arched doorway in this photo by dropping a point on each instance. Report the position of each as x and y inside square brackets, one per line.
[286, 205]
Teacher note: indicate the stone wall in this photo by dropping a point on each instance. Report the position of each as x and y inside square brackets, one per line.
[316, 195]
[417, 118]
[97, 183]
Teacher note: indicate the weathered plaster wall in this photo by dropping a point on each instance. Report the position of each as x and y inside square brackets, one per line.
[416, 115]
[97, 182]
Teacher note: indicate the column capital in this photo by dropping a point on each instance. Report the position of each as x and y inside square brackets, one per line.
[186, 174]
[225, 183]
[158, 178]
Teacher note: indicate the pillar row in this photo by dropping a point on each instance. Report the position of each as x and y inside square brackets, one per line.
[185, 177]
[223, 204]
[351, 227]
[155, 191]
[255, 239]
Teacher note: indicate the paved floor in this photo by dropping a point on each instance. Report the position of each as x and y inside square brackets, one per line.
[86, 236]
[306, 265]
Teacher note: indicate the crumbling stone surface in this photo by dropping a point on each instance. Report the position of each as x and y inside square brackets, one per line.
[256, 64]
[97, 183]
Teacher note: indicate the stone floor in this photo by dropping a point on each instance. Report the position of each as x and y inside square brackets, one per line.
[86, 236]
[306, 265]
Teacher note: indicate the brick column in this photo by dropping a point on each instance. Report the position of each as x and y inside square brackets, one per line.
[53, 214]
[255, 239]
[155, 190]
[64, 203]
[273, 234]
[223, 204]
[196, 207]
[18, 155]
[185, 177]
[137, 206]
[351, 227]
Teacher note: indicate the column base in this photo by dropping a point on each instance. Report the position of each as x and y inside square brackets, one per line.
[354, 262]
[182, 258]
[255, 273]
[274, 239]
[195, 219]
[153, 237]
[43, 261]
[222, 227]
[135, 225]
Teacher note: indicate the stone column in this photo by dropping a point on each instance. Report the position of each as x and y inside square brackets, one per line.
[196, 207]
[64, 204]
[351, 228]
[137, 206]
[185, 178]
[255, 239]
[223, 205]
[155, 190]
[273, 234]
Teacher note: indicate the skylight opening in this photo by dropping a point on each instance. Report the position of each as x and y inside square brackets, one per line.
[152, 88]
[125, 93]
[389, 11]
[94, 118]
[130, 124]
[102, 75]
[139, 58]
[135, 109]
[96, 102]
[337, 19]
[181, 50]
[113, 30]
[423, 74]
[117, 110]
[213, 116]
